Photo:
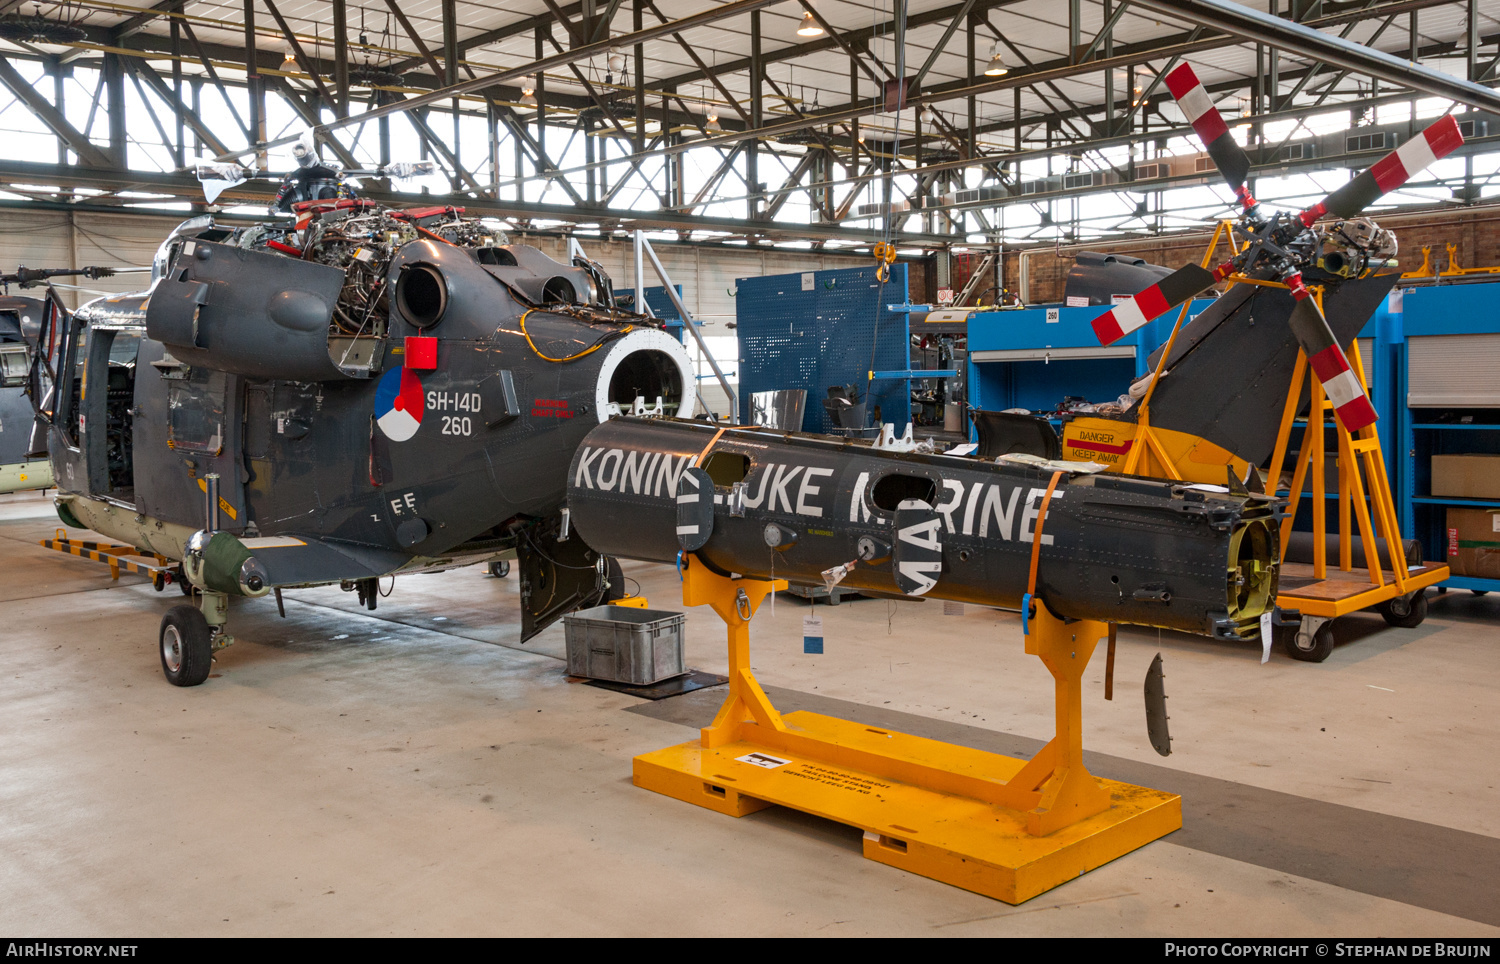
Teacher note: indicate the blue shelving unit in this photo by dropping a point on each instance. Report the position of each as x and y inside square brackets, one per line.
[1467, 309]
[1032, 357]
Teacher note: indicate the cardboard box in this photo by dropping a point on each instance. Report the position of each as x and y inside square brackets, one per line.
[1474, 542]
[1466, 476]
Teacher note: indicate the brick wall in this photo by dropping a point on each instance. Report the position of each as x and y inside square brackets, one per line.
[1475, 230]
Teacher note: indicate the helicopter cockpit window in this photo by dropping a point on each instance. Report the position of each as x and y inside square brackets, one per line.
[195, 419]
[14, 365]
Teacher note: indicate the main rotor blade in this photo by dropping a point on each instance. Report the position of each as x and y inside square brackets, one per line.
[1329, 363]
[1228, 156]
[1156, 300]
[1390, 172]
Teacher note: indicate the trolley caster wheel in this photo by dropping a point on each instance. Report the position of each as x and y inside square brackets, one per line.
[158, 580]
[1310, 647]
[1405, 611]
[1442, 590]
[500, 568]
[186, 646]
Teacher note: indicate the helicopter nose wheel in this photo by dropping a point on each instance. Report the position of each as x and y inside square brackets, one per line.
[186, 646]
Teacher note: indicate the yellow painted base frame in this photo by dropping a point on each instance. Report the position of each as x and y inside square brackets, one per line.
[1006, 828]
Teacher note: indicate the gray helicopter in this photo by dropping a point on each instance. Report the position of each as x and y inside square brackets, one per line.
[337, 396]
[20, 467]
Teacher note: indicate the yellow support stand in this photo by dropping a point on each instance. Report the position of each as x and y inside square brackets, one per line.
[1007, 828]
[1363, 489]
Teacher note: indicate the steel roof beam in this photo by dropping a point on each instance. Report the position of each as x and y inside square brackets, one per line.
[185, 186]
[701, 18]
[1043, 74]
[1254, 26]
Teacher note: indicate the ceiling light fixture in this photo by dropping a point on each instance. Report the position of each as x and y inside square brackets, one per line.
[713, 120]
[996, 66]
[528, 91]
[289, 62]
[809, 26]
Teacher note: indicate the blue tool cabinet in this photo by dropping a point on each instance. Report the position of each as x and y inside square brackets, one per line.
[1033, 357]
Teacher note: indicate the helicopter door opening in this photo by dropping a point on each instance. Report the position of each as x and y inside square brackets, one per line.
[103, 399]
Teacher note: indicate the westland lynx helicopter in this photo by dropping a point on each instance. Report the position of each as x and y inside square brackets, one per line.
[343, 394]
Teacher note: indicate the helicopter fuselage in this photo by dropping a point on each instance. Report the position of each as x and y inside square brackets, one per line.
[423, 419]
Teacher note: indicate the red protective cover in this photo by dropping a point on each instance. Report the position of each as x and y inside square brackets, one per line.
[421, 352]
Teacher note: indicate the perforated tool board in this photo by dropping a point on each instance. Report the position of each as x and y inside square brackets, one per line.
[796, 335]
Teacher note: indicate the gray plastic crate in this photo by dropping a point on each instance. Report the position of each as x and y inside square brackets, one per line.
[625, 645]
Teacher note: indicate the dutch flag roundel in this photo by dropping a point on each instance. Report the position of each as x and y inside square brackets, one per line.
[398, 404]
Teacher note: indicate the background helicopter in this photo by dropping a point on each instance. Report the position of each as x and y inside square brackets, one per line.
[23, 450]
[313, 179]
[341, 396]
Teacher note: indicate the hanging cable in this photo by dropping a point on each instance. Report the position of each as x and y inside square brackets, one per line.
[587, 351]
[885, 250]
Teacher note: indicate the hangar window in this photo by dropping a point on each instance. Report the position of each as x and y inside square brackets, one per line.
[892, 490]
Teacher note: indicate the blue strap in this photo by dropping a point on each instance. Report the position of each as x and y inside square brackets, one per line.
[679, 565]
[1026, 615]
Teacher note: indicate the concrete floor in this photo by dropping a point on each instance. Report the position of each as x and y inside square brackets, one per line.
[414, 772]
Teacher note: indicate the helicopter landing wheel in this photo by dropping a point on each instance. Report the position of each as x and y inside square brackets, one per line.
[186, 646]
[1309, 643]
[183, 582]
[500, 568]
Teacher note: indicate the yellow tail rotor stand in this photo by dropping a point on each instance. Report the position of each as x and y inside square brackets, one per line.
[1006, 828]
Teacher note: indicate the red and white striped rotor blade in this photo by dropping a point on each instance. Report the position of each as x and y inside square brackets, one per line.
[1390, 172]
[1230, 158]
[1157, 300]
[1330, 364]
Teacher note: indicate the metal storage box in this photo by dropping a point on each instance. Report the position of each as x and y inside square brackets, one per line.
[625, 645]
